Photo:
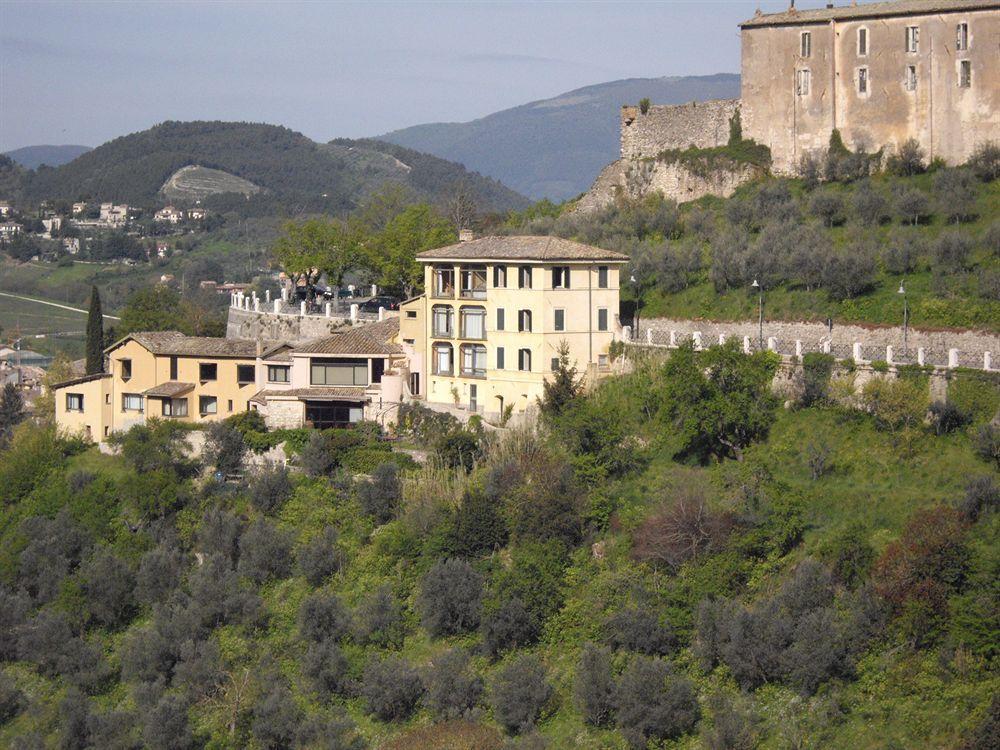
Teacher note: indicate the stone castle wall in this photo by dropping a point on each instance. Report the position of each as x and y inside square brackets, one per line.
[701, 124]
[247, 324]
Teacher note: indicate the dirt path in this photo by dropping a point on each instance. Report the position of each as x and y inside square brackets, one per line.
[53, 304]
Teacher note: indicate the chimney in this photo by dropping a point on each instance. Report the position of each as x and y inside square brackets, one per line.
[466, 235]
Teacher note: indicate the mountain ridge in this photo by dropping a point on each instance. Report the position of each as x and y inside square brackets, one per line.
[32, 157]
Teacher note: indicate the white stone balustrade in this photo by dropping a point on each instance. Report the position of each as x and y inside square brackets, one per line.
[952, 358]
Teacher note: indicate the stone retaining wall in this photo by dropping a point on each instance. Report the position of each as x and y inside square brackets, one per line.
[942, 348]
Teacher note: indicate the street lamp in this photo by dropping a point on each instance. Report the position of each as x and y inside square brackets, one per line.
[635, 293]
[760, 313]
[906, 318]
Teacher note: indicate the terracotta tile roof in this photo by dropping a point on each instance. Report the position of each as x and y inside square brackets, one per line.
[521, 247]
[794, 16]
[81, 379]
[170, 343]
[369, 339]
[169, 389]
[316, 392]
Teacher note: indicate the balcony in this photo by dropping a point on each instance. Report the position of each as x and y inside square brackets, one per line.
[443, 284]
[473, 283]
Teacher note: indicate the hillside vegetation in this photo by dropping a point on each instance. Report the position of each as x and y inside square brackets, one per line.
[291, 169]
[838, 248]
[194, 183]
[671, 561]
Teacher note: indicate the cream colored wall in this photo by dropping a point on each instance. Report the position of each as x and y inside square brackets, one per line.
[948, 121]
[96, 414]
[510, 385]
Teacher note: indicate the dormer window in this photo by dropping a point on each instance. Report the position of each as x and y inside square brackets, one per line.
[806, 44]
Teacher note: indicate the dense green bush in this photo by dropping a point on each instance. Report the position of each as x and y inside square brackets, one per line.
[453, 689]
[519, 693]
[653, 704]
[391, 688]
[449, 598]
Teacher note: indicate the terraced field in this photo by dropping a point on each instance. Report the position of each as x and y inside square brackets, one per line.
[193, 183]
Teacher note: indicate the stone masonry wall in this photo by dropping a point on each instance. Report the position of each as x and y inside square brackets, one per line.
[971, 346]
[247, 324]
[701, 124]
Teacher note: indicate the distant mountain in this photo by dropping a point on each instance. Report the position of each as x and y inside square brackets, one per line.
[293, 172]
[556, 147]
[32, 157]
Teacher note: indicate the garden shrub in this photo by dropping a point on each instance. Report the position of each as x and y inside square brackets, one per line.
[519, 693]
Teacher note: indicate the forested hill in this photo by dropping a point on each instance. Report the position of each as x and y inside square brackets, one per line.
[291, 169]
[32, 157]
[554, 148]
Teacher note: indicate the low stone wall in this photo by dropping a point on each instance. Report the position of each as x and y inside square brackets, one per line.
[699, 124]
[291, 326]
[942, 348]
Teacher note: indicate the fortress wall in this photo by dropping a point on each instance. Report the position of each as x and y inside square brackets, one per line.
[702, 124]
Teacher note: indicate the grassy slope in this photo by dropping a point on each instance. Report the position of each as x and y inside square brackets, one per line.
[962, 308]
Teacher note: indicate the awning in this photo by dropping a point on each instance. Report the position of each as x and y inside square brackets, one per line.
[170, 389]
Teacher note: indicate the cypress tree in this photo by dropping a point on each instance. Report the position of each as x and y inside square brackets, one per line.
[95, 334]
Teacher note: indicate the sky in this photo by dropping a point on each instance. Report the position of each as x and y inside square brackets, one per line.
[85, 72]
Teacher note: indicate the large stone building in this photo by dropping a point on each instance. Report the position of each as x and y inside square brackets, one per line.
[880, 73]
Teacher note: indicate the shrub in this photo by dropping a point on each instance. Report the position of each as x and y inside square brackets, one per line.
[644, 105]
[379, 496]
[908, 159]
[199, 668]
[158, 445]
[828, 206]
[639, 629]
[159, 573]
[391, 688]
[108, 588]
[652, 704]
[895, 404]
[510, 626]
[166, 725]
[680, 529]
[955, 190]
[265, 552]
[947, 417]
[317, 458]
[320, 557]
[14, 609]
[981, 496]
[453, 689]
[734, 726]
[911, 205]
[216, 595]
[323, 617]
[219, 534]
[326, 667]
[449, 598]
[519, 693]
[849, 555]
[987, 443]
[276, 716]
[985, 161]
[850, 272]
[335, 731]
[270, 488]
[903, 252]
[816, 370]
[976, 395]
[54, 547]
[459, 448]
[535, 576]
[594, 688]
[380, 619]
[224, 448]
[479, 527]
[12, 700]
[871, 207]
[952, 250]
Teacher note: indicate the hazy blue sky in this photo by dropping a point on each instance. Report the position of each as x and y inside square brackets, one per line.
[86, 72]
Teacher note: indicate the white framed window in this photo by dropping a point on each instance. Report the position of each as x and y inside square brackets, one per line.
[208, 405]
[962, 37]
[560, 319]
[862, 81]
[524, 360]
[442, 359]
[912, 39]
[473, 320]
[277, 373]
[175, 407]
[964, 73]
[74, 402]
[803, 81]
[910, 79]
[474, 360]
[863, 42]
[805, 44]
[602, 361]
[443, 320]
[602, 318]
[132, 402]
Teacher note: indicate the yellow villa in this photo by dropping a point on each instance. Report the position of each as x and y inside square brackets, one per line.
[487, 330]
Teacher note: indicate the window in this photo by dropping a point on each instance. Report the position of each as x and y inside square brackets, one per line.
[964, 73]
[500, 277]
[602, 360]
[602, 277]
[126, 369]
[173, 368]
[962, 36]
[862, 42]
[277, 373]
[602, 318]
[411, 313]
[560, 277]
[913, 39]
[411, 342]
[524, 321]
[443, 321]
[208, 405]
[805, 44]
[500, 319]
[229, 405]
[862, 80]
[474, 360]
[554, 363]
[500, 355]
[444, 282]
[473, 322]
[245, 374]
[131, 402]
[473, 282]
[442, 359]
[74, 402]
[910, 81]
[207, 371]
[524, 360]
[802, 81]
[175, 407]
[560, 321]
[524, 277]
[107, 398]
[338, 372]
